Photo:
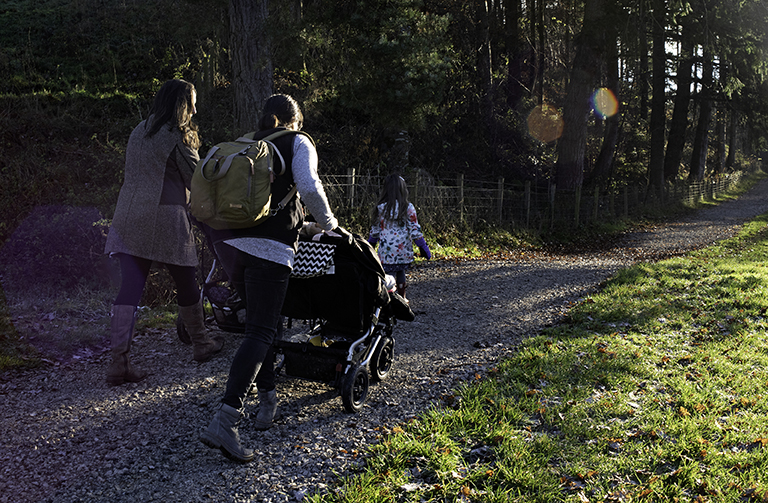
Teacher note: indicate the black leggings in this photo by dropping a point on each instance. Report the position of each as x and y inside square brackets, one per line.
[134, 272]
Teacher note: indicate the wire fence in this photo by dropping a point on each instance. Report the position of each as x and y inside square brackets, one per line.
[444, 204]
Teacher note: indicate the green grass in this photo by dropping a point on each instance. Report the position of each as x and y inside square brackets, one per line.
[653, 389]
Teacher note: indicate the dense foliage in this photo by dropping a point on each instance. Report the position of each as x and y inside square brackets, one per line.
[440, 86]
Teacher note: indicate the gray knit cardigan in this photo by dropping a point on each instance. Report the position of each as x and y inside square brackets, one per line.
[151, 218]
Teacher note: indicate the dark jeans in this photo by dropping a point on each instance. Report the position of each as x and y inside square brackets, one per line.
[134, 272]
[263, 285]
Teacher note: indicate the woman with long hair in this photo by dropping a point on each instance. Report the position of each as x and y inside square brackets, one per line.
[151, 224]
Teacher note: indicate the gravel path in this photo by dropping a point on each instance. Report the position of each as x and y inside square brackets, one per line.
[69, 437]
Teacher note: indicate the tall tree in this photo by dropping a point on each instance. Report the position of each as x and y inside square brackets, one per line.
[604, 161]
[732, 126]
[642, 73]
[658, 99]
[252, 67]
[571, 149]
[483, 42]
[678, 126]
[701, 137]
[515, 85]
[391, 60]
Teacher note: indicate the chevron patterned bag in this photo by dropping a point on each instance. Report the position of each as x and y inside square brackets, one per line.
[313, 259]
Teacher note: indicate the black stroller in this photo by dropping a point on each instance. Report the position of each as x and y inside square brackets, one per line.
[340, 316]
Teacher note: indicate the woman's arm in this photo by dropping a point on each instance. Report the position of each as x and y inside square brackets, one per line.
[308, 183]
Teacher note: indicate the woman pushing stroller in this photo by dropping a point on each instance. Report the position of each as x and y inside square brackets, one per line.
[258, 261]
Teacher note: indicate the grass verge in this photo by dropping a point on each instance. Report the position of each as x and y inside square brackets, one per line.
[653, 389]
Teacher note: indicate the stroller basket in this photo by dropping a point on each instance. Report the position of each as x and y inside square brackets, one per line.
[315, 363]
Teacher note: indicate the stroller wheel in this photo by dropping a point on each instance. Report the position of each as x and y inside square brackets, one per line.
[382, 360]
[354, 388]
[181, 331]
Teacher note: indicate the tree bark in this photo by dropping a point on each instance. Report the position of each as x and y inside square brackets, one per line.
[571, 149]
[734, 120]
[719, 166]
[679, 124]
[251, 55]
[642, 77]
[701, 138]
[658, 100]
[483, 42]
[604, 161]
[540, 62]
[516, 54]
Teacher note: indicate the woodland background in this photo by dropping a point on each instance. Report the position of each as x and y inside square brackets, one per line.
[630, 96]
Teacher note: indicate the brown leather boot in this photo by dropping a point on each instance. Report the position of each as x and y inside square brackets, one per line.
[203, 345]
[121, 333]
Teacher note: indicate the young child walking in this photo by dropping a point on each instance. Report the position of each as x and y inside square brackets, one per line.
[396, 229]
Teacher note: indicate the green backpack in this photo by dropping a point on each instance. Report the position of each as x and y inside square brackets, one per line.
[232, 186]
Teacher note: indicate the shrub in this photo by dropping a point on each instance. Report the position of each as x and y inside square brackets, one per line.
[56, 247]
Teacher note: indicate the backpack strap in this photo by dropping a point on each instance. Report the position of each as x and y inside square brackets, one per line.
[248, 138]
[224, 167]
[269, 139]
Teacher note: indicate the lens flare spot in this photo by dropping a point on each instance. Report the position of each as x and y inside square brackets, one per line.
[545, 123]
[605, 103]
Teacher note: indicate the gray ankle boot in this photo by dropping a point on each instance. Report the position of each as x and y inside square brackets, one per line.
[203, 346]
[123, 320]
[222, 434]
[267, 408]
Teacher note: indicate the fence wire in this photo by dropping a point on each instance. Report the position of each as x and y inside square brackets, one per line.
[443, 205]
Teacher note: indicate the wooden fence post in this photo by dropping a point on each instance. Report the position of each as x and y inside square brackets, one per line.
[527, 204]
[351, 187]
[460, 187]
[612, 202]
[577, 206]
[626, 202]
[552, 190]
[501, 199]
[415, 191]
[596, 203]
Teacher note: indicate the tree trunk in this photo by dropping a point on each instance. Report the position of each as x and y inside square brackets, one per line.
[719, 166]
[251, 61]
[658, 100]
[571, 149]
[734, 120]
[483, 42]
[515, 52]
[701, 139]
[642, 76]
[679, 124]
[540, 62]
[604, 160]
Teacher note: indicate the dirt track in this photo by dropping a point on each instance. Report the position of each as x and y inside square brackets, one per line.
[70, 437]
